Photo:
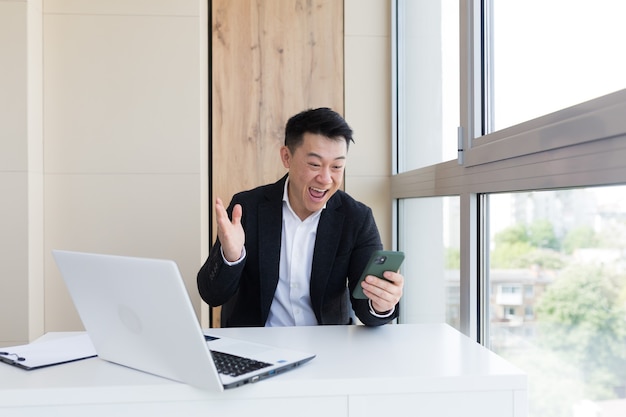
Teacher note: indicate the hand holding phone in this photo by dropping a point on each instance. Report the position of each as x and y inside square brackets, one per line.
[379, 262]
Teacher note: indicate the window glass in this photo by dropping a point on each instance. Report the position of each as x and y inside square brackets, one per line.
[557, 274]
[549, 55]
[432, 264]
[427, 82]
[555, 296]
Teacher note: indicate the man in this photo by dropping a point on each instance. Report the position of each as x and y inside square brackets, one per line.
[290, 253]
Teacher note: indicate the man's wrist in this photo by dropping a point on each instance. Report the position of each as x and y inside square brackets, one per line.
[241, 258]
[383, 315]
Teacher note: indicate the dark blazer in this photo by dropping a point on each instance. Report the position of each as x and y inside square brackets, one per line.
[346, 237]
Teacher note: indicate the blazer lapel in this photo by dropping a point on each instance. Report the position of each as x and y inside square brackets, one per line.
[269, 236]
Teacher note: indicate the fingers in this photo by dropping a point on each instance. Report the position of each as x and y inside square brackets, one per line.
[237, 212]
[384, 293]
[394, 277]
[230, 233]
[222, 216]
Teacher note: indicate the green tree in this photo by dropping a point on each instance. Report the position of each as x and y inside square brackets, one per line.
[510, 245]
[582, 317]
[541, 235]
[514, 234]
[544, 258]
[520, 246]
[510, 255]
[580, 237]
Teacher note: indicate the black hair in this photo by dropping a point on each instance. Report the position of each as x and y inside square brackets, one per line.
[321, 121]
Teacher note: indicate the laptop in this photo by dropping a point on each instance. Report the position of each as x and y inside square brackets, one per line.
[138, 314]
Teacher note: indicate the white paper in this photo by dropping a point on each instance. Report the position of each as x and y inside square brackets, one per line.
[52, 352]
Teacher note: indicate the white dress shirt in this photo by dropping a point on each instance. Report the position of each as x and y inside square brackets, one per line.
[292, 299]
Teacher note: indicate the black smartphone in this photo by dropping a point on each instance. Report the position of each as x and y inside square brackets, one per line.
[379, 262]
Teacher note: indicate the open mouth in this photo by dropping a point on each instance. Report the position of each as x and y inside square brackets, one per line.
[317, 193]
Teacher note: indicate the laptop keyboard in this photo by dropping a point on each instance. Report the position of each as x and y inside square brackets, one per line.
[232, 365]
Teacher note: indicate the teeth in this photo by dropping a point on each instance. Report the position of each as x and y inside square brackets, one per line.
[318, 190]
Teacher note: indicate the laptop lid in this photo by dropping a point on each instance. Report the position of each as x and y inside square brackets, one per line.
[137, 313]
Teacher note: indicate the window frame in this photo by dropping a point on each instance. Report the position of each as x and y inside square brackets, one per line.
[549, 152]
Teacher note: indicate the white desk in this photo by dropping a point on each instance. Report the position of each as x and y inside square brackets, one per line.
[394, 370]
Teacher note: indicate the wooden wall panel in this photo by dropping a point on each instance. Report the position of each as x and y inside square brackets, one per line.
[269, 60]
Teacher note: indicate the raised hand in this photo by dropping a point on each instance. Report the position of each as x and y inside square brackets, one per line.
[230, 232]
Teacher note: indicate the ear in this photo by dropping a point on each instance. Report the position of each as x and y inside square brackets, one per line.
[285, 156]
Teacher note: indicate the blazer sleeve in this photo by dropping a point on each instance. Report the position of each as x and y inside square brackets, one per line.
[367, 242]
[217, 281]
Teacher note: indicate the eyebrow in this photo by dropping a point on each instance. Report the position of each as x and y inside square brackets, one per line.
[313, 154]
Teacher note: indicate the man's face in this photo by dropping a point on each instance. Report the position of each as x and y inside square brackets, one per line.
[315, 172]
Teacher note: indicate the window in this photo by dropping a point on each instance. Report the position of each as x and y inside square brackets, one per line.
[434, 262]
[428, 103]
[542, 133]
[529, 291]
[510, 289]
[570, 340]
[549, 55]
[529, 315]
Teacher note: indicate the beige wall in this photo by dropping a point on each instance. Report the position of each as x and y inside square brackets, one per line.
[21, 176]
[123, 135]
[103, 139]
[367, 66]
[111, 158]
[20, 172]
